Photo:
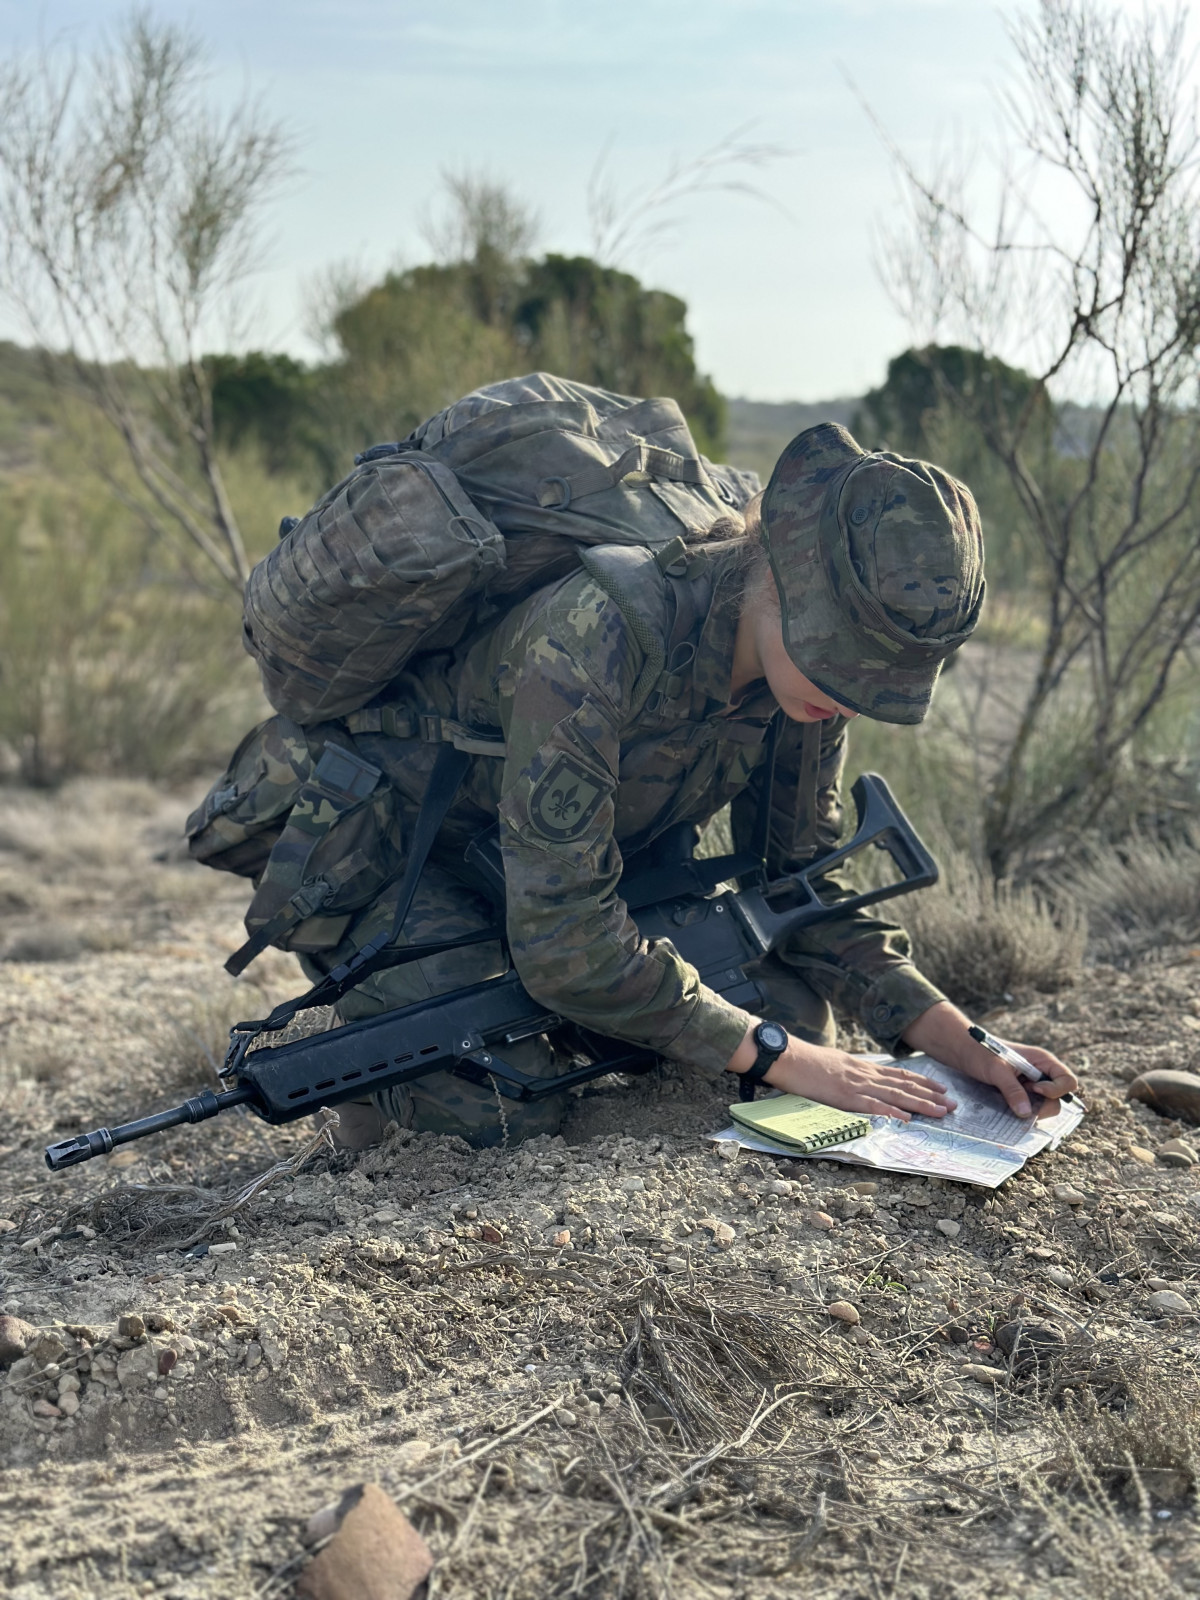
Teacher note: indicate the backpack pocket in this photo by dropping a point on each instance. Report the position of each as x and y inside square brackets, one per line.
[315, 826]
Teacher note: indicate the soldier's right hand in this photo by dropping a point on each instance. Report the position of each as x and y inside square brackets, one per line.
[834, 1078]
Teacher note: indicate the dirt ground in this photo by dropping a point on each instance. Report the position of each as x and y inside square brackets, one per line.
[598, 1365]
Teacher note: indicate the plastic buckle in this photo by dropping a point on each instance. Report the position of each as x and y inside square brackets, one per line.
[430, 727]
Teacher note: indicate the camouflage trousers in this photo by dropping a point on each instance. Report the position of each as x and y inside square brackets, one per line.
[445, 908]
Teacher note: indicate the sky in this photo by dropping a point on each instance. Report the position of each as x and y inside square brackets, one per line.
[381, 96]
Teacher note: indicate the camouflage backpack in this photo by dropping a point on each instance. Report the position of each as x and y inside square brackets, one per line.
[429, 539]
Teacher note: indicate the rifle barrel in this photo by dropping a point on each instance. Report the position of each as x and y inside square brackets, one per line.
[69, 1152]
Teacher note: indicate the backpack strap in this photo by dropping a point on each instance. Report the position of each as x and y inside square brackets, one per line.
[646, 460]
[399, 722]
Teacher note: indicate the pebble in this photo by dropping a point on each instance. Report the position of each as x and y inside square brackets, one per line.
[561, 1239]
[130, 1326]
[385, 1215]
[861, 1336]
[68, 1384]
[566, 1417]
[44, 1408]
[68, 1403]
[991, 1376]
[1067, 1193]
[223, 1249]
[1060, 1277]
[728, 1149]
[675, 1264]
[633, 1185]
[7, 1226]
[1178, 1153]
[821, 1219]
[865, 1188]
[1138, 1152]
[1158, 1283]
[723, 1233]
[949, 1227]
[1169, 1304]
[844, 1312]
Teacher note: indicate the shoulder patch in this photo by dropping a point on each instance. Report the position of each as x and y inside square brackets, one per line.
[564, 799]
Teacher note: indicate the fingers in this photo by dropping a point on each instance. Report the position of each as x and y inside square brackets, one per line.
[880, 1108]
[1062, 1079]
[1014, 1091]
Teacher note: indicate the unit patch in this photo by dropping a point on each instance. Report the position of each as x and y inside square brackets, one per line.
[565, 799]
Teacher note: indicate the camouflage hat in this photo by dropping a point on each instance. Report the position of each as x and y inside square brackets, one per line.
[879, 565]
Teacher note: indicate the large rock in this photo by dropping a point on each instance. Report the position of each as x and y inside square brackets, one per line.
[1171, 1094]
[375, 1554]
[15, 1338]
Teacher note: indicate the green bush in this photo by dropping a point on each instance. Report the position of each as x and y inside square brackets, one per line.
[110, 662]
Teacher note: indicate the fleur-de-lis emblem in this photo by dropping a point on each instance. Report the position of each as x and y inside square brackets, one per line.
[563, 803]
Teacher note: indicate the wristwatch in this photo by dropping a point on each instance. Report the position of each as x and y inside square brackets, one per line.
[771, 1040]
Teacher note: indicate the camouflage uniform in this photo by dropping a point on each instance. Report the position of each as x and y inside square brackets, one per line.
[610, 689]
[588, 778]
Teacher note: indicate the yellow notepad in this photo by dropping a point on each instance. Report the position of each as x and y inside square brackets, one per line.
[794, 1123]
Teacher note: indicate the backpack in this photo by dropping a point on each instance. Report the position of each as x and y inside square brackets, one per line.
[434, 537]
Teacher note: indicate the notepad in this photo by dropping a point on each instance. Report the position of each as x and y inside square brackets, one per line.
[791, 1121]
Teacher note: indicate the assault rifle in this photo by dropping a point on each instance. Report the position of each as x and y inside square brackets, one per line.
[672, 894]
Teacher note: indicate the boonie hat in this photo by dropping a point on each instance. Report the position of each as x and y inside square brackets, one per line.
[878, 560]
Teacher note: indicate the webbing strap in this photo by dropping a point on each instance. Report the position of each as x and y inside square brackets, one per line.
[557, 493]
[398, 722]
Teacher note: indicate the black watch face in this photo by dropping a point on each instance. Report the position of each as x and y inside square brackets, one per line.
[771, 1036]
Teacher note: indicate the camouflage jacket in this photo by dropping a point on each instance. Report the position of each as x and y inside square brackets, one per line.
[595, 768]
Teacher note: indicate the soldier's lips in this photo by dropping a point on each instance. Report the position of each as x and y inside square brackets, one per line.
[818, 713]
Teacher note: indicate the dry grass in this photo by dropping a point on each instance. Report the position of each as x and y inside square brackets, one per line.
[1138, 896]
[978, 940]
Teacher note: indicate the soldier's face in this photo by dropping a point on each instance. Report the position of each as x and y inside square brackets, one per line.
[798, 697]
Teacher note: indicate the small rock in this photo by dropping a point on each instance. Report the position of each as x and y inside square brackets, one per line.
[1029, 1344]
[68, 1384]
[160, 1393]
[865, 1188]
[385, 1214]
[723, 1233]
[45, 1408]
[130, 1326]
[821, 1219]
[675, 1264]
[565, 1417]
[781, 1187]
[632, 1185]
[1060, 1277]
[1138, 1152]
[844, 1311]
[226, 1247]
[861, 1336]
[1069, 1194]
[1172, 1094]
[561, 1239]
[728, 1149]
[1166, 1303]
[991, 1376]
[167, 1360]
[1158, 1283]
[949, 1227]
[15, 1338]
[68, 1403]
[1177, 1153]
[490, 1235]
[7, 1226]
[274, 1351]
[47, 1350]
[374, 1553]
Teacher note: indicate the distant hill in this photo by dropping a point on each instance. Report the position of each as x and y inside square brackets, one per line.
[757, 430]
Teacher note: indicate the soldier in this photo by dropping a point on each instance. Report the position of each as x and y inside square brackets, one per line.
[836, 593]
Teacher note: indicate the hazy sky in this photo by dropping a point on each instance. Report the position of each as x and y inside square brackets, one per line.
[382, 96]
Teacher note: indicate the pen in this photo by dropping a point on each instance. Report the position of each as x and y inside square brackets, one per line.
[1009, 1056]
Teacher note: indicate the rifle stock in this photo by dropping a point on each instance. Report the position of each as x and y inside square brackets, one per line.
[719, 931]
